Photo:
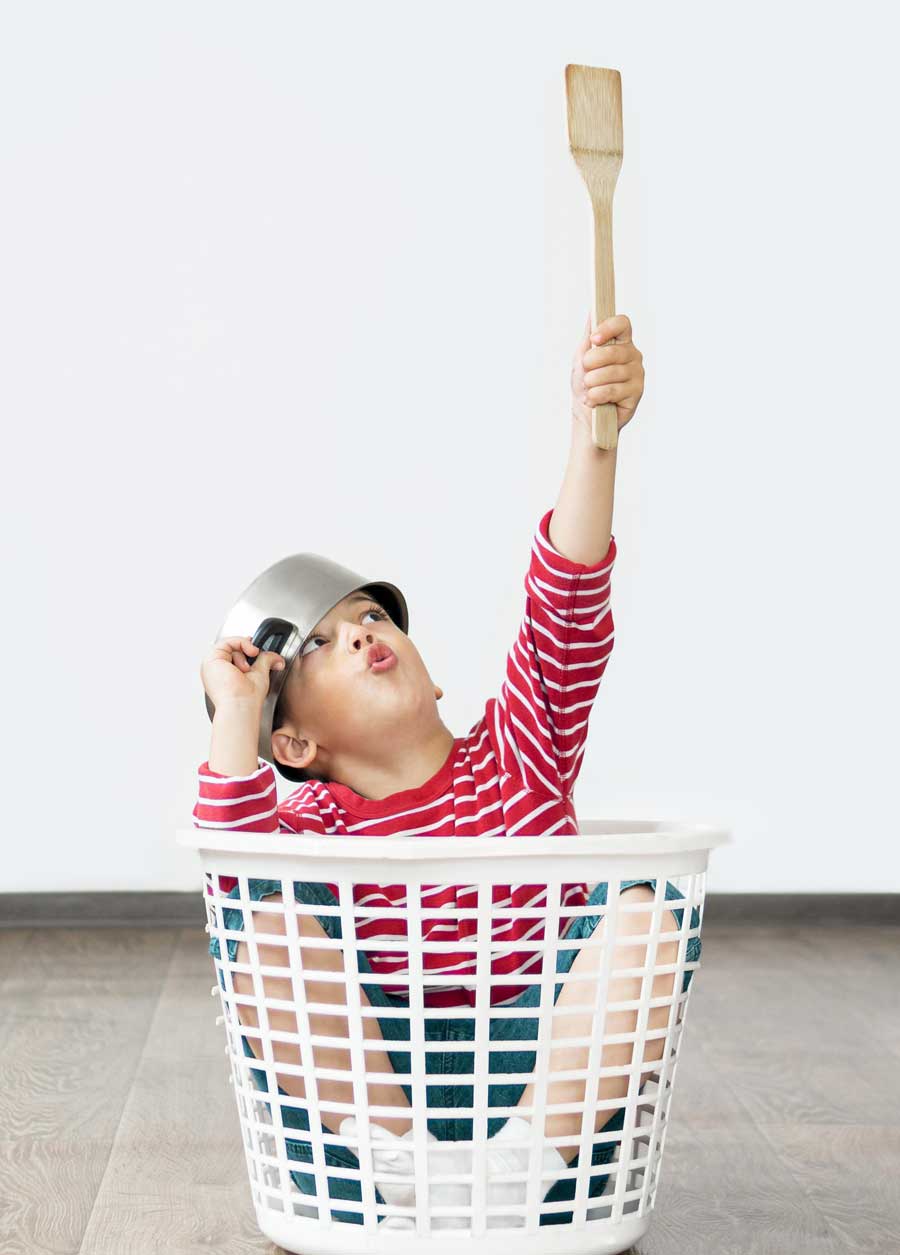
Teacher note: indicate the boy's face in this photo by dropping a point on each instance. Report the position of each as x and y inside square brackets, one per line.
[336, 709]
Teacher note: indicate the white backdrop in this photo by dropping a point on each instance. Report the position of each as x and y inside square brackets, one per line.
[303, 277]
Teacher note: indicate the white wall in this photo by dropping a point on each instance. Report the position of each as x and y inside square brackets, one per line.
[305, 277]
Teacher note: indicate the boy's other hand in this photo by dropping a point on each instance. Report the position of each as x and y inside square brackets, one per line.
[228, 676]
[607, 373]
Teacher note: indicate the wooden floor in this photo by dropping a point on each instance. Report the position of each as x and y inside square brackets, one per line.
[119, 1133]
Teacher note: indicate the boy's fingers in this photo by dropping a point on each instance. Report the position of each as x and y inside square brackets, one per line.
[617, 327]
[235, 648]
[235, 642]
[271, 659]
[240, 644]
[242, 653]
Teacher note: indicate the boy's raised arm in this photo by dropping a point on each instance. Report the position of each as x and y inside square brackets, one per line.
[236, 788]
[607, 368]
[234, 738]
[539, 722]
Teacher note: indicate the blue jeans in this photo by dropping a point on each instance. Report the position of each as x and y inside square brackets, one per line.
[443, 1063]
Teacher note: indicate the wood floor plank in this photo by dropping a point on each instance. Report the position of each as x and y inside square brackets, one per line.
[13, 944]
[851, 1174]
[119, 1132]
[819, 1086]
[864, 981]
[703, 1096]
[722, 1187]
[740, 1071]
[74, 1014]
[177, 1176]
[803, 1036]
[117, 953]
[858, 947]
[793, 994]
[726, 1193]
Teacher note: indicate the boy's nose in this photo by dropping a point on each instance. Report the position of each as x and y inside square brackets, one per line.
[360, 637]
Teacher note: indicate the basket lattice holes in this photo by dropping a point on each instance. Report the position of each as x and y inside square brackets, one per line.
[331, 1033]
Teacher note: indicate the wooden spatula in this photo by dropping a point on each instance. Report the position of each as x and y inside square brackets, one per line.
[594, 109]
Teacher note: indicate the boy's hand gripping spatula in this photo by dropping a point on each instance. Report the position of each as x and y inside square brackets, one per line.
[594, 108]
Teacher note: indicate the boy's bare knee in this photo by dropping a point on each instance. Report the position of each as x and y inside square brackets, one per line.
[273, 923]
[639, 923]
[267, 923]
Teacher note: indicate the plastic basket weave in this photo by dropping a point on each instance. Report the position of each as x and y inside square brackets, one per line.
[320, 1193]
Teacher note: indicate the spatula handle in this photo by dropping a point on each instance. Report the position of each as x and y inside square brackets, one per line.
[604, 420]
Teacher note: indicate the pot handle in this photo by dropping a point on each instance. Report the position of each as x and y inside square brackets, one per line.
[272, 634]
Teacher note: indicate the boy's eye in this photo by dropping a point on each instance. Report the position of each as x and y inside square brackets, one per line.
[376, 610]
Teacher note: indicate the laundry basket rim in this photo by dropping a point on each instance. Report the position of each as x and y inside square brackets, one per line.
[595, 837]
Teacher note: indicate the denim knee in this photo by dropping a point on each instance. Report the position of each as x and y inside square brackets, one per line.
[338, 1187]
[584, 926]
[312, 892]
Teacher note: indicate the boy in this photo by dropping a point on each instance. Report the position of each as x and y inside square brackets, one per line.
[382, 762]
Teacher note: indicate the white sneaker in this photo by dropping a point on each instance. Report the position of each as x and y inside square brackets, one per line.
[397, 1222]
[394, 1154]
[500, 1158]
[449, 1158]
[390, 1154]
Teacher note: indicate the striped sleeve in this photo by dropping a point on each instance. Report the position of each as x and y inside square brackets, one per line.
[241, 803]
[246, 803]
[539, 722]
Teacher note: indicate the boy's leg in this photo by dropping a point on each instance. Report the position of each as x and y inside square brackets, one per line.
[388, 1028]
[621, 989]
[321, 1023]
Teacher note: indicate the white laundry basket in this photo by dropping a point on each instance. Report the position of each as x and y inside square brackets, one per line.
[316, 1221]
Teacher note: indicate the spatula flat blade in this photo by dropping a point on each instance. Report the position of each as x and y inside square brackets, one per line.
[594, 112]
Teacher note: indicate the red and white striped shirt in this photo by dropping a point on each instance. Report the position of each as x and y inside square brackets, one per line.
[514, 771]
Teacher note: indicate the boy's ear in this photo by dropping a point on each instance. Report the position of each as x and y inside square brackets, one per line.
[293, 753]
